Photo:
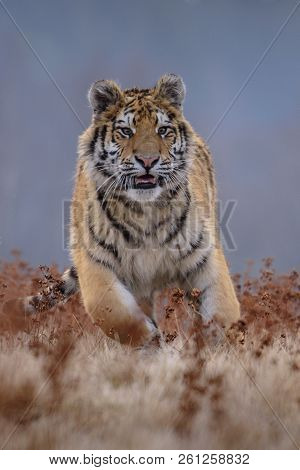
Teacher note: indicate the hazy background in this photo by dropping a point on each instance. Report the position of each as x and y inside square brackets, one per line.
[214, 45]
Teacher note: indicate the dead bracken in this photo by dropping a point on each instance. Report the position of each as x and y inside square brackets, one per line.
[192, 388]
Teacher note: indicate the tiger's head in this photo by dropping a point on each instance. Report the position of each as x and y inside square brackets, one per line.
[139, 139]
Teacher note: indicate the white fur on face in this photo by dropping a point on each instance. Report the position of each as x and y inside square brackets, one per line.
[126, 120]
[162, 119]
[143, 195]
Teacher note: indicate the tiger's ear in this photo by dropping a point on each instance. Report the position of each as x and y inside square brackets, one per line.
[102, 94]
[172, 88]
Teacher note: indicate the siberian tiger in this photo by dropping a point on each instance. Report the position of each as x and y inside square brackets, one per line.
[143, 213]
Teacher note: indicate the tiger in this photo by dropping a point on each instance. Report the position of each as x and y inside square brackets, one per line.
[143, 214]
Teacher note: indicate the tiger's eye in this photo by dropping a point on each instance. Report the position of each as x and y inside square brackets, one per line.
[126, 131]
[162, 130]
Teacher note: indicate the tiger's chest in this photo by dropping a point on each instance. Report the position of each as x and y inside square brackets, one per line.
[151, 250]
[161, 261]
[148, 268]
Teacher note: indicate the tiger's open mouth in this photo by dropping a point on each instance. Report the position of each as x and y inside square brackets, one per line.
[145, 182]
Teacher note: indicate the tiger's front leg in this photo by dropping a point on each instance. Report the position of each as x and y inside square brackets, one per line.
[218, 297]
[111, 305]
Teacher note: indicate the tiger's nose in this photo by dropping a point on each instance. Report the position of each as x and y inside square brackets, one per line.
[147, 162]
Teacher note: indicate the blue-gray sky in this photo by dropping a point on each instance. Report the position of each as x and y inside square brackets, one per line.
[214, 45]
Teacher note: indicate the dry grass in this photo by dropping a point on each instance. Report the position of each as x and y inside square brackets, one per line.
[64, 386]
